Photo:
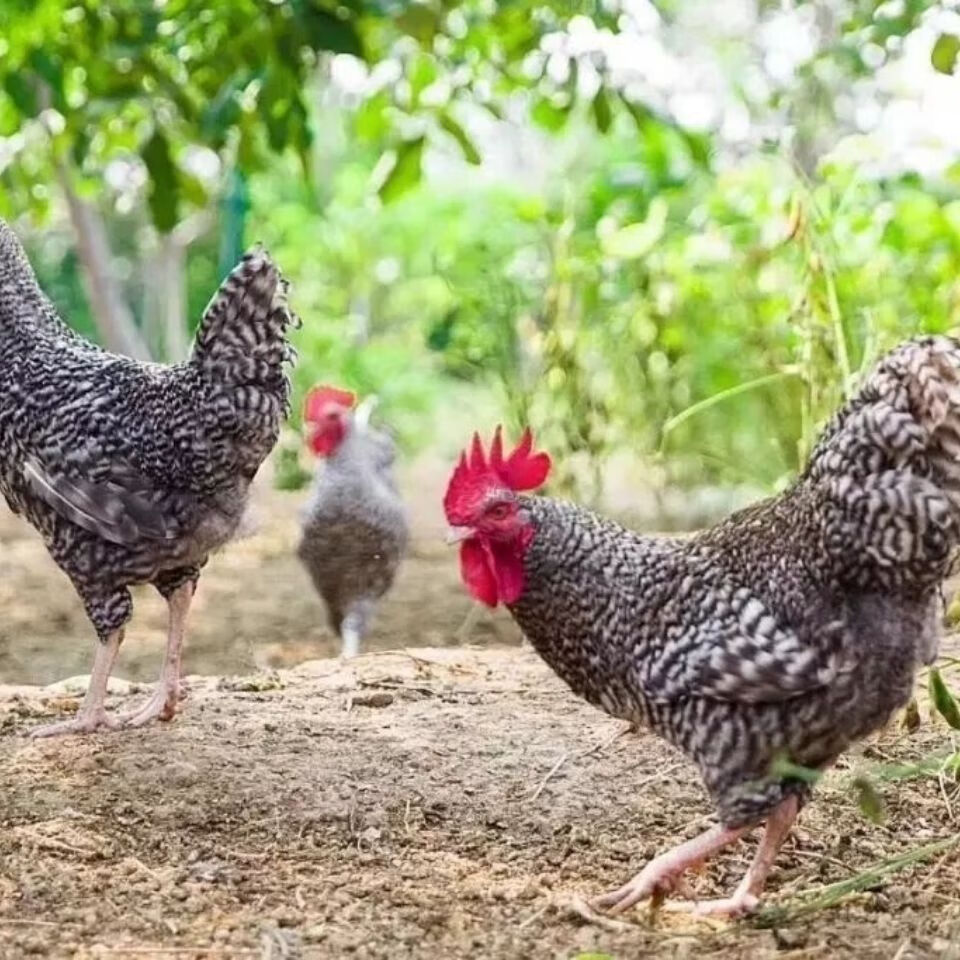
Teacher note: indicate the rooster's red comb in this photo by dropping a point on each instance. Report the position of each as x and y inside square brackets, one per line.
[320, 397]
[521, 470]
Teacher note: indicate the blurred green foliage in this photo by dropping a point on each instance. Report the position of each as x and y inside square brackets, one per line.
[83, 82]
[646, 294]
[641, 300]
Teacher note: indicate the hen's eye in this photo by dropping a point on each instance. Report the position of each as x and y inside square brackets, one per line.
[499, 511]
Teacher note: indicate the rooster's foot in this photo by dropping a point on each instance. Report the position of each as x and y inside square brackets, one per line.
[663, 874]
[653, 882]
[739, 905]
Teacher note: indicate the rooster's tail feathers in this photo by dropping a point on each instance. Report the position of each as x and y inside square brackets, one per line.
[906, 416]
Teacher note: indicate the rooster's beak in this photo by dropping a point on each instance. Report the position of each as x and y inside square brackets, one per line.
[456, 534]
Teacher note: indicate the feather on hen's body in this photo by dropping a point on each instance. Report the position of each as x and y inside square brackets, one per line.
[164, 455]
[794, 627]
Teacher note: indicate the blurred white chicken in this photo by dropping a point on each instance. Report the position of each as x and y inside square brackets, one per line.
[354, 527]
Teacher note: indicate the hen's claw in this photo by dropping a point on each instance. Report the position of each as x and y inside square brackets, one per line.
[162, 705]
[83, 722]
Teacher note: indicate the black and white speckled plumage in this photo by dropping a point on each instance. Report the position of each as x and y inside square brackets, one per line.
[794, 627]
[354, 530]
[135, 472]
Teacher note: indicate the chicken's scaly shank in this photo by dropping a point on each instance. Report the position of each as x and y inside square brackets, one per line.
[788, 631]
[135, 472]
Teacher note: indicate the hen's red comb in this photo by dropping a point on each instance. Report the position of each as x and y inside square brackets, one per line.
[521, 470]
[320, 397]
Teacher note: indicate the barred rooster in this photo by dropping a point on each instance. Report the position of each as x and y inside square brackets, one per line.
[787, 632]
[354, 527]
[136, 472]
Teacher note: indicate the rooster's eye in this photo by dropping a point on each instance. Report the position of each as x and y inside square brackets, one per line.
[499, 511]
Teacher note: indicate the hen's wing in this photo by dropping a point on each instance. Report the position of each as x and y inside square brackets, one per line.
[724, 643]
[123, 507]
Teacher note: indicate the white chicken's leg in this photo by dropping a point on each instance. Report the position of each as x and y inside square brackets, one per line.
[163, 704]
[353, 628]
[350, 642]
[747, 895]
[662, 874]
[92, 715]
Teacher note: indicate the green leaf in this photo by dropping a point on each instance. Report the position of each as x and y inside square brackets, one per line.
[372, 121]
[9, 117]
[945, 52]
[951, 616]
[420, 21]
[22, 91]
[52, 74]
[164, 190]
[638, 239]
[783, 768]
[326, 31]
[193, 190]
[943, 699]
[494, 109]
[870, 802]
[81, 144]
[602, 114]
[641, 114]
[549, 116]
[405, 173]
[421, 73]
[470, 152]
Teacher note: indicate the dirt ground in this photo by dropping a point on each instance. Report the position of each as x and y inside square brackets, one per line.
[444, 804]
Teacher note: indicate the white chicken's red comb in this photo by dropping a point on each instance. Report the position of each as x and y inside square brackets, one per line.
[521, 470]
[318, 398]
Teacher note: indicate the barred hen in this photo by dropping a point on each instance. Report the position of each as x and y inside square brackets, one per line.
[354, 527]
[135, 472]
[785, 633]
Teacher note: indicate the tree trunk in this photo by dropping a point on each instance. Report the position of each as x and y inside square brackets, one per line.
[167, 288]
[113, 317]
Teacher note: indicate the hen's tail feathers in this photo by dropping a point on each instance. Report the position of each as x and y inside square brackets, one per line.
[242, 338]
[22, 302]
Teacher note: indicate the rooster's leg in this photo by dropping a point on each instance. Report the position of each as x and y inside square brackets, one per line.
[163, 704]
[747, 895]
[662, 874]
[92, 715]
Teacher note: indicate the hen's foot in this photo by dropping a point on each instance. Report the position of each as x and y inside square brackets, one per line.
[84, 722]
[663, 874]
[162, 705]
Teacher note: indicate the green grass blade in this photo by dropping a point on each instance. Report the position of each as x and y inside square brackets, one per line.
[716, 398]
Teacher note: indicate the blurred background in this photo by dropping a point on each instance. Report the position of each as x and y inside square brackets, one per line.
[668, 235]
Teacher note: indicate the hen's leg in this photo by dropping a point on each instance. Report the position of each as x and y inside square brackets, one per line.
[163, 704]
[92, 715]
[747, 895]
[662, 874]
[353, 627]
